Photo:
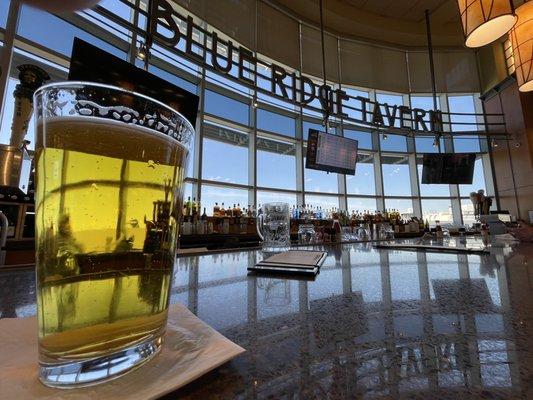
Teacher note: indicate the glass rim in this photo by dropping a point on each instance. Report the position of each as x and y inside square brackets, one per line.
[119, 89]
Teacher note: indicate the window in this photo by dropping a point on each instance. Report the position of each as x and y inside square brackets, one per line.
[225, 107]
[320, 181]
[54, 33]
[389, 142]
[403, 206]
[306, 125]
[353, 106]
[477, 183]
[276, 164]
[437, 210]
[364, 139]
[7, 117]
[264, 196]
[225, 155]
[462, 123]
[425, 144]
[467, 210]
[324, 202]
[118, 9]
[363, 182]
[4, 11]
[432, 190]
[360, 204]
[228, 196]
[396, 179]
[176, 80]
[272, 122]
[391, 100]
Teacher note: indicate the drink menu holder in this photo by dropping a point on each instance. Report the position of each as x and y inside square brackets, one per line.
[190, 349]
[302, 262]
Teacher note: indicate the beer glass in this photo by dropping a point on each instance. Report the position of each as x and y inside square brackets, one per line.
[274, 226]
[109, 167]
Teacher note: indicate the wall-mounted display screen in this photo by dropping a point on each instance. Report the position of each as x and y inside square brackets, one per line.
[331, 153]
[449, 168]
[91, 64]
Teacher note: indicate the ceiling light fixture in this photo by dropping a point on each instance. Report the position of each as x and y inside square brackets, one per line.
[522, 43]
[384, 136]
[484, 21]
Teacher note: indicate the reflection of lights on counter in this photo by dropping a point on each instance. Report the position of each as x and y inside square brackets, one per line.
[30, 212]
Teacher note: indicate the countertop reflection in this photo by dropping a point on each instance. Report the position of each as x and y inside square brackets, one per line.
[373, 324]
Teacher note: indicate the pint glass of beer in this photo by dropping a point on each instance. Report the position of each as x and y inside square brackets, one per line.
[109, 178]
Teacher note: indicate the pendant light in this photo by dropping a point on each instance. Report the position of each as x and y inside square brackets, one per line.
[522, 42]
[484, 21]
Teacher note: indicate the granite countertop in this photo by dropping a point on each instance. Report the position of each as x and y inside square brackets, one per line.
[374, 323]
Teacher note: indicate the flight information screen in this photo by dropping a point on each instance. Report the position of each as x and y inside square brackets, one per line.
[331, 153]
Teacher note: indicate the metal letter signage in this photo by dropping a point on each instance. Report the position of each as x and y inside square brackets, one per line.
[291, 87]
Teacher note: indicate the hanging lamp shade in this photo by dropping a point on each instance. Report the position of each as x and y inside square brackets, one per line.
[484, 21]
[522, 43]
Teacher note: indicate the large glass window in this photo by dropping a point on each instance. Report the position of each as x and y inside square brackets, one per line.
[4, 10]
[426, 144]
[462, 123]
[225, 155]
[363, 182]
[273, 122]
[389, 142]
[320, 181]
[478, 182]
[432, 190]
[437, 210]
[228, 125]
[264, 196]
[176, 80]
[396, 178]
[227, 196]
[364, 139]
[276, 164]
[306, 125]
[227, 108]
[353, 108]
[467, 209]
[323, 202]
[52, 32]
[360, 204]
[403, 206]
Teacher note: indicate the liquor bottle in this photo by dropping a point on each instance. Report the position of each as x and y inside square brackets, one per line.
[216, 210]
[204, 216]
[254, 213]
[222, 212]
[187, 207]
[238, 210]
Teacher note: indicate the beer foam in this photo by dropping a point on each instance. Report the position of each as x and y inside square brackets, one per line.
[127, 128]
[108, 137]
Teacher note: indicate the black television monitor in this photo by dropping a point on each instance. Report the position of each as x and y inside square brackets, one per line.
[448, 168]
[89, 63]
[331, 153]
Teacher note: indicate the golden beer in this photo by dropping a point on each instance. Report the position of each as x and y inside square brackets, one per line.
[107, 194]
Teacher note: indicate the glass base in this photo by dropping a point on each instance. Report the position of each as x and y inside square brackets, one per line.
[74, 374]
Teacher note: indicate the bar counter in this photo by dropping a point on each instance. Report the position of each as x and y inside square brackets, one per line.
[384, 324]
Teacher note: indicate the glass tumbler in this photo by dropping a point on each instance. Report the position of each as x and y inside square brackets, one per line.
[110, 165]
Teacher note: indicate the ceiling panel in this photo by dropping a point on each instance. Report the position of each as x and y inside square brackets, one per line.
[408, 10]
